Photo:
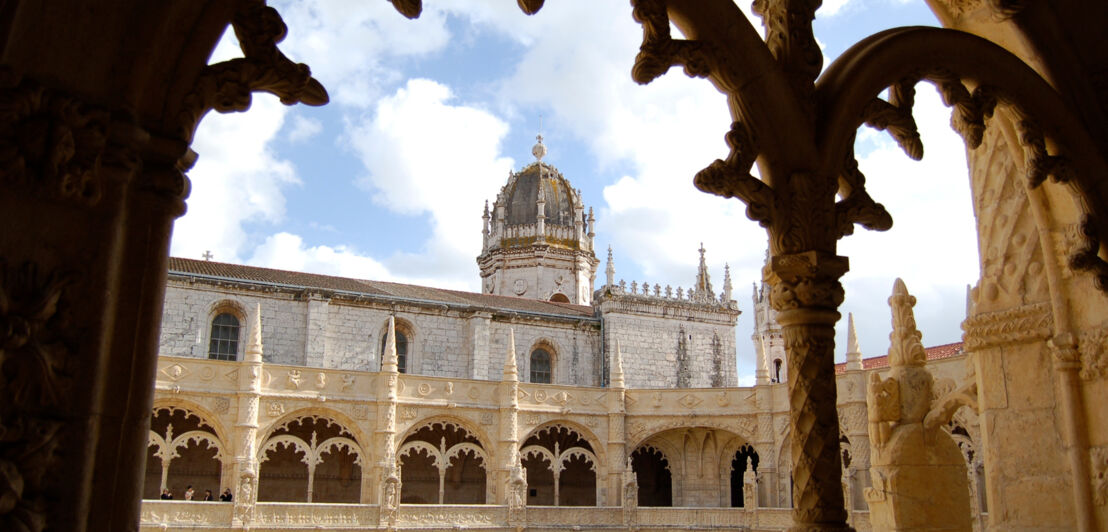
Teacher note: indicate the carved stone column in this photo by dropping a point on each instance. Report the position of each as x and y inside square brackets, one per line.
[245, 475]
[806, 291]
[86, 208]
[617, 432]
[508, 448]
[388, 465]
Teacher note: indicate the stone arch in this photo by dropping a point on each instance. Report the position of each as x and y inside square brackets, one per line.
[443, 461]
[640, 435]
[310, 457]
[551, 348]
[408, 328]
[654, 474]
[730, 469]
[184, 449]
[564, 465]
[330, 415]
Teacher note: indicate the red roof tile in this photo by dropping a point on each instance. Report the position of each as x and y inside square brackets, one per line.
[299, 280]
[937, 352]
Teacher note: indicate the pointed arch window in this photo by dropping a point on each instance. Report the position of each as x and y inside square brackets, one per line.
[401, 350]
[224, 342]
[540, 366]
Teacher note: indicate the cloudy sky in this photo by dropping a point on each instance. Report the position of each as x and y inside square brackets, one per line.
[427, 117]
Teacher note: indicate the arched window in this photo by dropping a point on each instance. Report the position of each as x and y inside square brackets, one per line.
[559, 298]
[224, 344]
[777, 370]
[401, 350]
[540, 366]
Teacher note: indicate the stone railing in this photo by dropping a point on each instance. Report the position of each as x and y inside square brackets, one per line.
[657, 293]
[182, 516]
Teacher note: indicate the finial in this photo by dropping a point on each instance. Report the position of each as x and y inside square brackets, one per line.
[703, 285]
[617, 368]
[610, 271]
[254, 348]
[389, 361]
[207, 255]
[906, 348]
[511, 373]
[726, 282]
[486, 208]
[853, 352]
[539, 151]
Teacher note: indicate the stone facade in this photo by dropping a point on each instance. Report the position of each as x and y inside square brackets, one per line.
[98, 123]
[397, 400]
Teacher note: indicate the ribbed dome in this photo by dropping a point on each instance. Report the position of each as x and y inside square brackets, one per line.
[522, 193]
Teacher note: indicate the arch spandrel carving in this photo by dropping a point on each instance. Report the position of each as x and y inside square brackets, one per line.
[328, 416]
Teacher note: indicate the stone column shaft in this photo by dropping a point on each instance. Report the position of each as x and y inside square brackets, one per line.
[806, 291]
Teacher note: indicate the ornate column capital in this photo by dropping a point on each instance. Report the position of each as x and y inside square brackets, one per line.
[808, 280]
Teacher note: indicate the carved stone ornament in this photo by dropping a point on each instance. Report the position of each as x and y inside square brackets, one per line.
[1099, 462]
[1023, 324]
[227, 86]
[1093, 347]
[54, 144]
[35, 383]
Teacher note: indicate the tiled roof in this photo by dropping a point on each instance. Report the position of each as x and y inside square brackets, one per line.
[299, 280]
[937, 352]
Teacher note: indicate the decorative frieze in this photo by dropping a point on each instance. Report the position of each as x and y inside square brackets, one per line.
[1023, 324]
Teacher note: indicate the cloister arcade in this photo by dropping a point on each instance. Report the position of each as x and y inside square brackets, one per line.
[562, 467]
[442, 462]
[184, 450]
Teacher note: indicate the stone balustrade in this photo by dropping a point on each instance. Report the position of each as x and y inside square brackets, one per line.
[182, 516]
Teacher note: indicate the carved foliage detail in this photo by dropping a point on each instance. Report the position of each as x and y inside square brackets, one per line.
[1092, 346]
[227, 86]
[34, 384]
[50, 141]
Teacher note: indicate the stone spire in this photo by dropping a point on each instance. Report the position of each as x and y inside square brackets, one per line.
[703, 281]
[853, 352]
[388, 360]
[610, 271]
[617, 368]
[511, 373]
[592, 226]
[254, 348]
[726, 283]
[905, 348]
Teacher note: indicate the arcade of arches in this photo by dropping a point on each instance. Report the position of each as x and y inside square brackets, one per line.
[99, 109]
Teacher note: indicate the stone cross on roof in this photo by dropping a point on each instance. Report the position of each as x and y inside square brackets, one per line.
[207, 255]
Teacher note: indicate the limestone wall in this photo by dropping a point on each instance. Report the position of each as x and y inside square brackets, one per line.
[669, 344]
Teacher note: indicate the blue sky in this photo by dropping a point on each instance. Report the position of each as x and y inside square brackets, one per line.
[427, 117]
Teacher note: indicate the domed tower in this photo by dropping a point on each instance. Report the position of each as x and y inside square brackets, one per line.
[537, 238]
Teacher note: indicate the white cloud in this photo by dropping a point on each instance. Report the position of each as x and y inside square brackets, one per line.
[354, 46]
[933, 242]
[831, 8]
[303, 128]
[426, 156]
[287, 252]
[237, 179]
